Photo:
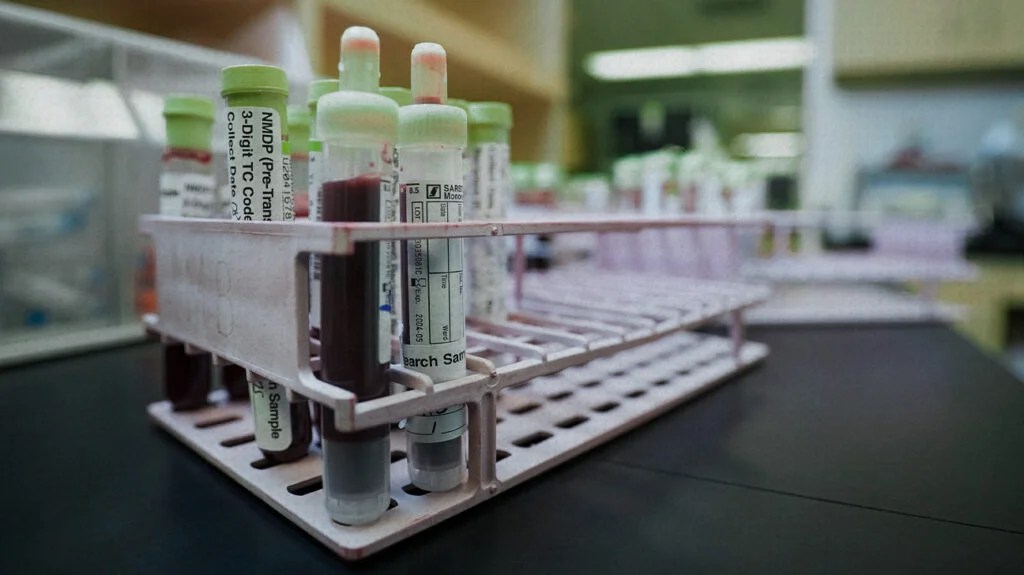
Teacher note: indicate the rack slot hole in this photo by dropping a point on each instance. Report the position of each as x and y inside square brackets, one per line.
[413, 490]
[532, 439]
[661, 382]
[572, 421]
[397, 455]
[606, 407]
[215, 421]
[264, 463]
[591, 383]
[501, 454]
[307, 486]
[560, 395]
[525, 408]
[236, 441]
[636, 393]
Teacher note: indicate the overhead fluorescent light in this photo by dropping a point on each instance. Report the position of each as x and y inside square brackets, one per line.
[754, 55]
[745, 56]
[769, 145]
[642, 63]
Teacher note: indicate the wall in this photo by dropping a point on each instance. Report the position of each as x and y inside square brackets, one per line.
[849, 127]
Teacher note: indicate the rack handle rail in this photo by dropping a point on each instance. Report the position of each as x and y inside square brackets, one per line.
[215, 294]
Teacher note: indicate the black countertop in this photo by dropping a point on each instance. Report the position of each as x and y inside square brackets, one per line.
[849, 450]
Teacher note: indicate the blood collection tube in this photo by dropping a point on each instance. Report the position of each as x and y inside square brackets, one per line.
[431, 136]
[357, 128]
[298, 139]
[317, 88]
[258, 175]
[487, 199]
[187, 188]
[402, 97]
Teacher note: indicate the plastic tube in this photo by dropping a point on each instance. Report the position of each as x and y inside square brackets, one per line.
[316, 89]
[357, 128]
[488, 199]
[258, 175]
[402, 97]
[431, 136]
[298, 139]
[187, 188]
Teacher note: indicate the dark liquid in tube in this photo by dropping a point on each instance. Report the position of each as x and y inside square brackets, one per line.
[349, 304]
[186, 377]
[232, 378]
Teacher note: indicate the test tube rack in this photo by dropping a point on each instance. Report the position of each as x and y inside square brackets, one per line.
[586, 356]
[862, 287]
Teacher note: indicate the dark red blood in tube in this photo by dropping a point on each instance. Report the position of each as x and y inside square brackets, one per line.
[232, 378]
[186, 377]
[349, 304]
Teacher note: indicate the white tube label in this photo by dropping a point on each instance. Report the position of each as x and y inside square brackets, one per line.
[271, 414]
[258, 166]
[437, 316]
[187, 194]
[387, 256]
[437, 426]
[493, 182]
[487, 256]
[316, 215]
[396, 264]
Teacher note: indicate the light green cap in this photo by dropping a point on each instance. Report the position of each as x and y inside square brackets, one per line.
[401, 96]
[459, 103]
[628, 172]
[489, 122]
[548, 175]
[189, 121]
[357, 118]
[498, 114]
[432, 124]
[298, 128]
[253, 78]
[522, 175]
[320, 87]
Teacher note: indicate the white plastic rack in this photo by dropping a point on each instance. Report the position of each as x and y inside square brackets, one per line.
[821, 287]
[586, 356]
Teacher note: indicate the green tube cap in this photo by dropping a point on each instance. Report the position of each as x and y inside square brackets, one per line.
[253, 78]
[318, 88]
[188, 105]
[189, 121]
[459, 103]
[298, 128]
[498, 114]
[401, 96]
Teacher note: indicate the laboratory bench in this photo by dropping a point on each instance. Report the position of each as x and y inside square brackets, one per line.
[874, 448]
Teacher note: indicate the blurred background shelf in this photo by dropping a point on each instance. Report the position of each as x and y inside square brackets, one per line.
[513, 52]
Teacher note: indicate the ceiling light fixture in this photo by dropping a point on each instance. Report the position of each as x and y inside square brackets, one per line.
[747, 56]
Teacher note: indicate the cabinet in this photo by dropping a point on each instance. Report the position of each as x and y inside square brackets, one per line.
[879, 38]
